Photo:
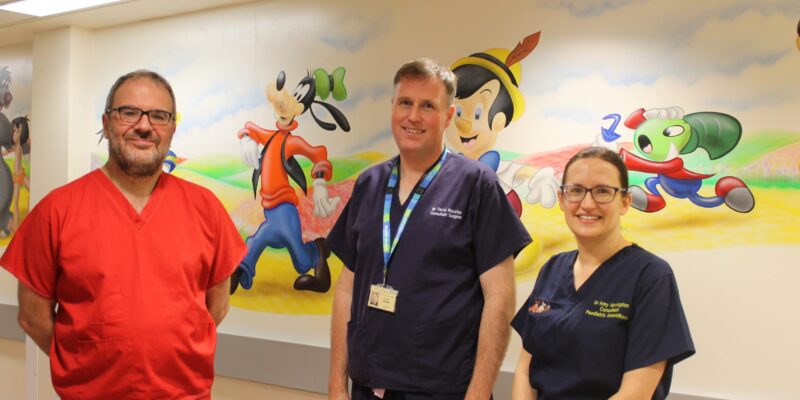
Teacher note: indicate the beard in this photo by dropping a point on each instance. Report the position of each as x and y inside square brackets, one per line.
[136, 163]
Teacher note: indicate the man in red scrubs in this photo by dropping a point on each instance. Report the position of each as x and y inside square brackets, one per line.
[124, 273]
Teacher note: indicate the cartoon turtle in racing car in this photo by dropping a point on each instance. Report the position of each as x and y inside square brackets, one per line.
[661, 136]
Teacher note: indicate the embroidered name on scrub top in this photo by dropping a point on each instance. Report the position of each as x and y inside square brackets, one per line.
[382, 296]
[604, 309]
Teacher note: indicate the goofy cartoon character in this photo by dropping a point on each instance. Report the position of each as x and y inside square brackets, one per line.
[274, 164]
[661, 135]
[487, 100]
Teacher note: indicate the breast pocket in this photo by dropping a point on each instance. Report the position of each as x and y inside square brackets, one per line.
[541, 336]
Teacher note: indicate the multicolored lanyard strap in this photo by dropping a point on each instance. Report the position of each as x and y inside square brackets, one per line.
[390, 244]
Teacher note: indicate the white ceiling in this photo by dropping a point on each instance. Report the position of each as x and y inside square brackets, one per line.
[19, 28]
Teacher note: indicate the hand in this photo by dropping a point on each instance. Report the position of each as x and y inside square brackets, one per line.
[250, 153]
[338, 395]
[543, 188]
[323, 204]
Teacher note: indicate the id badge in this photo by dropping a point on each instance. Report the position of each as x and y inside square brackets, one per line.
[382, 297]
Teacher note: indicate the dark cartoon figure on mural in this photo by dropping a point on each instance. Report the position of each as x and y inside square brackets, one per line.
[14, 139]
[487, 100]
[661, 136]
[21, 138]
[798, 35]
[275, 163]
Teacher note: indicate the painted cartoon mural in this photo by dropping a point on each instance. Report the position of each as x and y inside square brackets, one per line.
[661, 136]
[716, 60]
[487, 100]
[14, 139]
[275, 163]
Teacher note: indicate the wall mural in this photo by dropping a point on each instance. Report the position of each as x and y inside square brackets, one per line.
[15, 140]
[703, 120]
[274, 163]
[660, 137]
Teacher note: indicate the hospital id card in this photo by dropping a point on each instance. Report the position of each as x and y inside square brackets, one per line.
[382, 297]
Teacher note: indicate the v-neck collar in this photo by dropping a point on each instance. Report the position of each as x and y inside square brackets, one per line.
[137, 220]
[597, 274]
[396, 192]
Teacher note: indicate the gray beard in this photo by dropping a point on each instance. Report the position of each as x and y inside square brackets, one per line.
[136, 168]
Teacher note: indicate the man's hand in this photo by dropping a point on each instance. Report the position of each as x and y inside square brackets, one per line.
[323, 204]
[218, 300]
[498, 288]
[250, 153]
[36, 316]
[342, 300]
[339, 395]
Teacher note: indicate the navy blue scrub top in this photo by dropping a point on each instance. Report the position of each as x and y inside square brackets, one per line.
[627, 315]
[462, 226]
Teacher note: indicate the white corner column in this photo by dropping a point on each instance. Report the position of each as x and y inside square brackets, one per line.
[61, 142]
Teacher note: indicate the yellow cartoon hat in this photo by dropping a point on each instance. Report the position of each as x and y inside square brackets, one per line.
[504, 64]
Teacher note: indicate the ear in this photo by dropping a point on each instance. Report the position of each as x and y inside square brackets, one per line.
[498, 122]
[626, 203]
[450, 112]
[105, 125]
[560, 200]
[337, 115]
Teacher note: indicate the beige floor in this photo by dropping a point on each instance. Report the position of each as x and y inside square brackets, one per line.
[12, 381]
[234, 389]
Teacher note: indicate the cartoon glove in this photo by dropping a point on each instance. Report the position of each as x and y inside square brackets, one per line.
[664, 113]
[543, 188]
[323, 204]
[249, 151]
[599, 141]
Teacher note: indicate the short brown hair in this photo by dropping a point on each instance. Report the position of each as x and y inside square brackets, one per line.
[425, 68]
[138, 74]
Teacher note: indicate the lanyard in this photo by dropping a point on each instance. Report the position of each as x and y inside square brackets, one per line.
[390, 244]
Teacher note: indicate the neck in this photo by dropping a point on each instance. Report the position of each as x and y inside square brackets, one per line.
[137, 189]
[411, 171]
[594, 253]
[416, 164]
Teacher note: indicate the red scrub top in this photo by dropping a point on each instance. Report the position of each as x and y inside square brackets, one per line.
[131, 321]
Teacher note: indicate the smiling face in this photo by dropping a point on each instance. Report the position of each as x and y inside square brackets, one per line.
[138, 149]
[472, 134]
[662, 139]
[588, 220]
[420, 114]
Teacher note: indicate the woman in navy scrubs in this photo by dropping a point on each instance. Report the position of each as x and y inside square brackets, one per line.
[605, 320]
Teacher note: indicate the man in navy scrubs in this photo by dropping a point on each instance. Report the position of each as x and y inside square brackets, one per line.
[421, 310]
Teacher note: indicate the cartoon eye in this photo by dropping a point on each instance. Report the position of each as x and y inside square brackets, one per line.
[478, 111]
[458, 111]
[674, 130]
[301, 91]
[280, 81]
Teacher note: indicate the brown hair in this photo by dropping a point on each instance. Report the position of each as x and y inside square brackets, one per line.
[139, 74]
[424, 68]
[604, 154]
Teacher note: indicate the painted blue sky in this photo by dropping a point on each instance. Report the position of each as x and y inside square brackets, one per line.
[594, 58]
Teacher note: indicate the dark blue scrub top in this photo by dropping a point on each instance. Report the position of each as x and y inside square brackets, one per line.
[627, 315]
[462, 226]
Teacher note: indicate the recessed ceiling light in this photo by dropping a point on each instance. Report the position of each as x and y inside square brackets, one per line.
[43, 8]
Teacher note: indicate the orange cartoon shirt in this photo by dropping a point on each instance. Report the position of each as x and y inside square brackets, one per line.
[275, 187]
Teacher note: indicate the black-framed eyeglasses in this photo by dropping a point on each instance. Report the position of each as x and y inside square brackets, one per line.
[600, 194]
[132, 115]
